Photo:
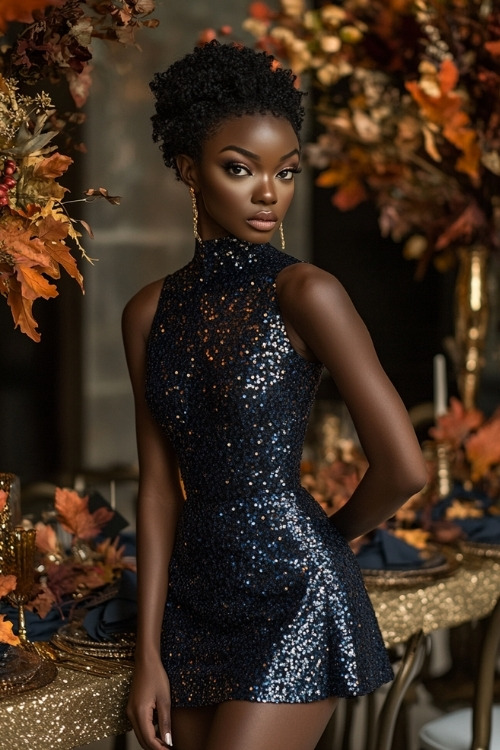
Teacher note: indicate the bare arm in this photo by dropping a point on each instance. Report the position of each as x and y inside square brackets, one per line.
[323, 325]
[159, 504]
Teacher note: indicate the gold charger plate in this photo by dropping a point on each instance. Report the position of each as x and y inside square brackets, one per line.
[76, 637]
[21, 671]
[438, 563]
[480, 549]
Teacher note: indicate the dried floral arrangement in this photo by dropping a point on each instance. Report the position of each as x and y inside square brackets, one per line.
[406, 93]
[51, 40]
[70, 575]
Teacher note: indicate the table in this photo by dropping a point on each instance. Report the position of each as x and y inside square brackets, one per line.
[77, 709]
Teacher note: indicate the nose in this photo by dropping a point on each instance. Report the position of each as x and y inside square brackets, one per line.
[265, 191]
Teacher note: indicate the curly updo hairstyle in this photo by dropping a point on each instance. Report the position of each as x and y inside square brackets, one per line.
[211, 84]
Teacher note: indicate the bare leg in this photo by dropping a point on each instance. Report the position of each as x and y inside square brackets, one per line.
[191, 727]
[242, 725]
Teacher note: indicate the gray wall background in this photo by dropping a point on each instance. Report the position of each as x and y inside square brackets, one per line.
[150, 233]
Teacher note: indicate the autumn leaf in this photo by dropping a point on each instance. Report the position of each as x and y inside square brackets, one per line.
[6, 633]
[42, 602]
[75, 517]
[483, 448]
[350, 194]
[7, 584]
[21, 310]
[46, 539]
[101, 192]
[458, 422]
[463, 228]
[52, 166]
[493, 48]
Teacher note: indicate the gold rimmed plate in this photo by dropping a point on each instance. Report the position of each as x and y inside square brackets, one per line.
[436, 563]
[480, 549]
[75, 637]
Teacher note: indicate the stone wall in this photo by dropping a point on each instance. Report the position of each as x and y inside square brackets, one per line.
[149, 235]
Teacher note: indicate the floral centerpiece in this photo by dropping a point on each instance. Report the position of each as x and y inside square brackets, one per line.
[69, 575]
[407, 95]
[37, 232]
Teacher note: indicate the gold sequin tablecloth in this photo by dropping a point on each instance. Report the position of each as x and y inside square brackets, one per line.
[73, 710]
[469, 594]
[77, 708]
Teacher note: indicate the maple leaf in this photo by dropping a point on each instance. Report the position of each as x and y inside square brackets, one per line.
[6, 633]
[7, 584]
[52, 166]
[46, 539]
[483, 448]
[458, 422]
[21, 310]
[4, 496]
[75, 517]
[22, 10]
[42, 602]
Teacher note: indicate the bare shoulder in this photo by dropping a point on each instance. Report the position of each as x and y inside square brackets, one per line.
[305, 284]
[139, 311]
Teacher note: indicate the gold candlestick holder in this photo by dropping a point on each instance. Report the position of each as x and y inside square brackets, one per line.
[20, 561]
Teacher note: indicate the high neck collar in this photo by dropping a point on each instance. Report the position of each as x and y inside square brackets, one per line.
[228, 252]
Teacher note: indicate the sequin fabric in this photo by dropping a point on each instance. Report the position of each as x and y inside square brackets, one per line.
[266, 601]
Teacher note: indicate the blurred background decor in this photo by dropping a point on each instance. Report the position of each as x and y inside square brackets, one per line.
[48, 42]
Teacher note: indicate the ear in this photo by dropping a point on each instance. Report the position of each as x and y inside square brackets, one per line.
[187, 170]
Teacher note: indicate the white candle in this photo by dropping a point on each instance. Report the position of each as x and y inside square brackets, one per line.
[440, 387]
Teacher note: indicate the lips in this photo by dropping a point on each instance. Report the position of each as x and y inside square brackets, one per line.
[264, 221]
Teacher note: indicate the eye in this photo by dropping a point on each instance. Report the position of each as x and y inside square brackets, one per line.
[289, 173]
[237, 170]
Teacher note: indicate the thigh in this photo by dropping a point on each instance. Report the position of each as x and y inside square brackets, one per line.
[191, 727]
[244, 725]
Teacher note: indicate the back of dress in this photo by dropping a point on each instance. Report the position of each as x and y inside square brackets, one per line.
[266, 601]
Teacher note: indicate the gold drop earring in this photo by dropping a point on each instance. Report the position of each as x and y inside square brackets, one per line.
[195, 215]
[282, 235]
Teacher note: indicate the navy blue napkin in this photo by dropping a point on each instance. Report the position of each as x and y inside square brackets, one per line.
[37, 628]
[116, 616]
[386, 552]
[485, 530]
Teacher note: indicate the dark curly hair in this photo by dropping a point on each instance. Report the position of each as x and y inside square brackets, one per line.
[213, 83]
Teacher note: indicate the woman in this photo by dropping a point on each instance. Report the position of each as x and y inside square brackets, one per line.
[267, 622]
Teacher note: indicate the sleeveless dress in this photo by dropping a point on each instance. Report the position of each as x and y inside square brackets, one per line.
[266, 601]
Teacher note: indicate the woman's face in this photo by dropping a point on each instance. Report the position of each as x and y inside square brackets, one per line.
[245, 178]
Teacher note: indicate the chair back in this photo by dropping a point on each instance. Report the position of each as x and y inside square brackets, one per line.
[485, 683]
[411, 664]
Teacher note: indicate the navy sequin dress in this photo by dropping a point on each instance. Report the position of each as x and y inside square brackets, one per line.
[266, 601]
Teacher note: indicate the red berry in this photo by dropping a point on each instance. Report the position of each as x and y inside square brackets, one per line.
[9, 170]
[3, 200]
[9, 181]
[10, 163]
[3, 189]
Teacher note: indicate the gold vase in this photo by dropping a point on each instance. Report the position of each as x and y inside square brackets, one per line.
[471, 320]
[10, 516]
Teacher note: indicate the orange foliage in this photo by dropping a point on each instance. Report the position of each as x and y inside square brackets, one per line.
[7, 584]
[6, 634]
[75, 517]
[483, 448]
[446, 111]
[3, 499]
[454, 426]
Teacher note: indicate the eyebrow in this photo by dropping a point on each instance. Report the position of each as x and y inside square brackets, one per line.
[256, 157]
